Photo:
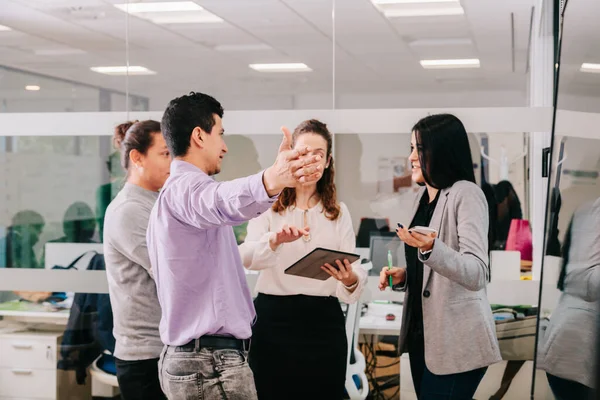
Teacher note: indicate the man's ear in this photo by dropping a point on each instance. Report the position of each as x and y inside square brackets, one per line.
[197, 137]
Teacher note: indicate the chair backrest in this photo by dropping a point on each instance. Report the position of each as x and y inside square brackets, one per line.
[355, 359]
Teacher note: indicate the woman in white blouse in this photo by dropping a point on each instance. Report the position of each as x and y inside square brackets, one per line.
[299, 341]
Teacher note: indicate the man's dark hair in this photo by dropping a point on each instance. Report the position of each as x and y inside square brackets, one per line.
[183, 115]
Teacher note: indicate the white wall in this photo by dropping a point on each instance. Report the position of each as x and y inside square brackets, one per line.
[50, 102]
[48, 105]
[584, 155]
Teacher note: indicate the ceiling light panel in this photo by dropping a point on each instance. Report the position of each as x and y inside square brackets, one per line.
[415, 8]
[123, 70]
[281, 67]
[386, 2]
[590, 67]
[451, 63]
[177, 12]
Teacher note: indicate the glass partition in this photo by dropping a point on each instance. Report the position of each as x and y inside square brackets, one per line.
[370, 69]
[400, 61]
[568, 310]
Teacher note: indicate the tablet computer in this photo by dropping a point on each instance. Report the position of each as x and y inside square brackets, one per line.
[309, 266]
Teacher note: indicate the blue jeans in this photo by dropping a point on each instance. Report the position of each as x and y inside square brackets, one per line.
[460, 386]
[206, 374]
[428, 386]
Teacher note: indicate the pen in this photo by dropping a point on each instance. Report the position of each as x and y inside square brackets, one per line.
[390, 267]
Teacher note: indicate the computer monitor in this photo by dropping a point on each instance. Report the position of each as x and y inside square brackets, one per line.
[367, 228]
[379, 250]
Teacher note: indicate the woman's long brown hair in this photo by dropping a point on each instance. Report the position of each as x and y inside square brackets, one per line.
[326, 185]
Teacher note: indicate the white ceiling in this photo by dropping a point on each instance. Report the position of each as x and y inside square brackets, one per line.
[373, 55]
[577, 90]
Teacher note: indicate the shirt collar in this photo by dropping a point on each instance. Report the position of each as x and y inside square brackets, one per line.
[180, 166]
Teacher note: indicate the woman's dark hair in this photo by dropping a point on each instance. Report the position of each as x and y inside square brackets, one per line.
[505, 189]
[444, 150]
[490, 197]
[509, 208]
[326, 185]
[134, 135]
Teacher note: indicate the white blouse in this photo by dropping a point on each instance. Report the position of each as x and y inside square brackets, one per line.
[257, 254]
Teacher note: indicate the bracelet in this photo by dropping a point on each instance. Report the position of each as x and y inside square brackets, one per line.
[355, 284]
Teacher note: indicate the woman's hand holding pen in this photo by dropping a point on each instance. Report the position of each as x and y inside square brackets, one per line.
[398, 276]
[287, 234]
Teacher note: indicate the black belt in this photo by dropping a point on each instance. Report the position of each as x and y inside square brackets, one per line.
[217, 342]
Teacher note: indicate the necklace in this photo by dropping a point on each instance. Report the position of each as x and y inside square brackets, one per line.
[306, 238]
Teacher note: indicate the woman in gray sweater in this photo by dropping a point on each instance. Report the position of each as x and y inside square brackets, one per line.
[136, 311]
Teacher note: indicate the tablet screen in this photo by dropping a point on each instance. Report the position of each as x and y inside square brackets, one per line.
[309, 266]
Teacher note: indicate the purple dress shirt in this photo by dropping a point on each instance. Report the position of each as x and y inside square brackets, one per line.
[199, 276]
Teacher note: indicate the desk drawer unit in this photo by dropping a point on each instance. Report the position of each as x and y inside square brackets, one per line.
[28, 352]
[28, 365]
[28, 383]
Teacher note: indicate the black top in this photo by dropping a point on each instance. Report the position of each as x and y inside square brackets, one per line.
[414, 274]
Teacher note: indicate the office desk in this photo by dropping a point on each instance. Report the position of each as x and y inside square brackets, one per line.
[375, 323]
[33, 313]
[49, 322]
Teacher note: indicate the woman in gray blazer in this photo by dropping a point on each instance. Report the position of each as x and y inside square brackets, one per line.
[566, 351]
[447, 327]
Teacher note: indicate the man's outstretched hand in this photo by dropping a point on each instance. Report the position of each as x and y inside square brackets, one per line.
[292, 166]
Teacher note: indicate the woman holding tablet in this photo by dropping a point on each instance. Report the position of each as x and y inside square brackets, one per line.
[447, 324]
[299, 340]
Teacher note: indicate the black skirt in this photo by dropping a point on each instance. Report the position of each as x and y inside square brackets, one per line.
[299, 348]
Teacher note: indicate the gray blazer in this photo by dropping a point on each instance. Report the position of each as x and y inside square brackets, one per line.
[566, 346]
[459, 329]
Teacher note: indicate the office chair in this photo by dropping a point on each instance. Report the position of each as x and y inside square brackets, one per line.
[97, 370]
[357, 384]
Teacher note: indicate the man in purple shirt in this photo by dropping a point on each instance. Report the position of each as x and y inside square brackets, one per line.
[207, 309]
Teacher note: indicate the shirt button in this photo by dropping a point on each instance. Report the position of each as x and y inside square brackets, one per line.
[426, 293]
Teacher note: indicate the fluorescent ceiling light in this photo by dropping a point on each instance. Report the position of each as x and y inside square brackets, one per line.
[134, 8]
[458, 63]
[178, 12]
[281, 67]
[412, 1]
[4, 28]
[589, 67]
[32, 88]
[243, 47]
[423, 12]
[122, 70]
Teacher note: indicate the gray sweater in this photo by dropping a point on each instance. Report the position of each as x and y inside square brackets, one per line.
[131, 285]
